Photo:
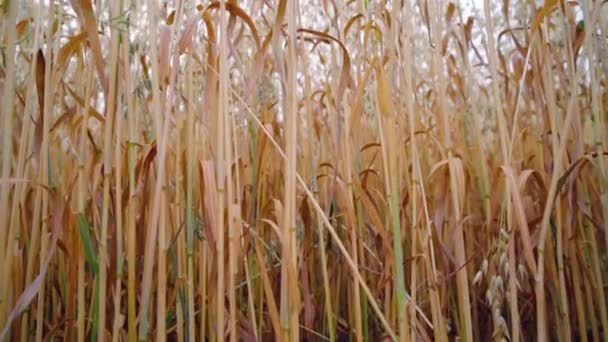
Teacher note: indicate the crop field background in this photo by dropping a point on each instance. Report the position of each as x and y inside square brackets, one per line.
[310, 170]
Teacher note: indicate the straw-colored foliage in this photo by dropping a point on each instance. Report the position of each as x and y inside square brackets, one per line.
[252, 170]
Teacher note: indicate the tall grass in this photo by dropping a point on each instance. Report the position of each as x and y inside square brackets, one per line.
[313, 170]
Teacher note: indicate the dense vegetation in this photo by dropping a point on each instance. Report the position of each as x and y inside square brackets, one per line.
[314, 170]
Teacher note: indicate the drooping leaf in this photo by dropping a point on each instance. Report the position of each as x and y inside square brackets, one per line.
[84, 9]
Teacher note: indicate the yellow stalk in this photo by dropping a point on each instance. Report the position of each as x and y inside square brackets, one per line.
[103, 259]
[190, 154]
[131, 206]
[81, 203]
[118, 317]
[222, 164]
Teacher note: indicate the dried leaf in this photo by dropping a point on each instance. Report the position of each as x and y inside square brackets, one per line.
[235, 10]
[66, 52]
[40, 72]
[450, 12]
[22, 27]
[548, 7]
[84, 9]
[345, 77]
[384, 92]
[164, 41]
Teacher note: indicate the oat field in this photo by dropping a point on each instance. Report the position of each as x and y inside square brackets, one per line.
[303, 170]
